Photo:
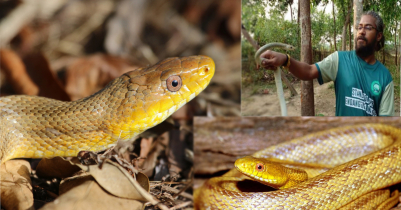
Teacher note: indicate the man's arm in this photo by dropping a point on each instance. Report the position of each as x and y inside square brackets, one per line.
[299, 69]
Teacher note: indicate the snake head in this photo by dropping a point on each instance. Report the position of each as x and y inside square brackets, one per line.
[290, 47]
[270, 173]
[152, 94]
[263, 171]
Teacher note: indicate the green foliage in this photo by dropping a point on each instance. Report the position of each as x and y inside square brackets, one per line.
[322, 28]
[331, 85]
[390, 10]
[252, 11]
[395, 73]
[270, 26]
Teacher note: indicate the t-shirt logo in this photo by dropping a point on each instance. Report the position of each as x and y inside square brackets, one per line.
[376, 88]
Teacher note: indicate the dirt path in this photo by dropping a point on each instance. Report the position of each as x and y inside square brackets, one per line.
[268, 105]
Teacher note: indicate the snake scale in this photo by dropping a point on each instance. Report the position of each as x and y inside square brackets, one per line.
[367, 158]
[37, 127]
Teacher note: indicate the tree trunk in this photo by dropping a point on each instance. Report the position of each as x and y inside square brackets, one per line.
[249, 38]
[298, 13]
[307, 95]
[344, 34]
[395, 43]
[358, 10]
[299, 30]
[350, 36]
[335, 33]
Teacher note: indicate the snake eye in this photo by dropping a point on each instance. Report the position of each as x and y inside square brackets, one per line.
[174, 83]
[260, 167]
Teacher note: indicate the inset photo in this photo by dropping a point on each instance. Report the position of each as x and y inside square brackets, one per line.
[325, 58]
[297, 162]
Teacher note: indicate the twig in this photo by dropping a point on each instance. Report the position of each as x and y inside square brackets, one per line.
[181, 205]
[69, 43]
[178, 192]
[24, 14]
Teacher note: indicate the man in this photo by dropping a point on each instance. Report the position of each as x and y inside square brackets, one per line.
[363, 85]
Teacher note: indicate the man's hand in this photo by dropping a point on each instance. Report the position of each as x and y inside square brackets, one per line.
[272, 59]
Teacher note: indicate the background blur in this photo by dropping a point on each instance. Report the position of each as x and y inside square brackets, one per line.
[70, 49]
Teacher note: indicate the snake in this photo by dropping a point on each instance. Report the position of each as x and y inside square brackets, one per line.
[39, 127]
[363, 160]
[277, 73]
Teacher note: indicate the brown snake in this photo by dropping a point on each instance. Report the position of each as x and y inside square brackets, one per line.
[346, 186]
[37, 127]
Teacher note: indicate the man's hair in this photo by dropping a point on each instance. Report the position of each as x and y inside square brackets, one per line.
[379, 26]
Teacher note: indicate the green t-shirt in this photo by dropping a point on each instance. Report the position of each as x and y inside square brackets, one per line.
[361, 89]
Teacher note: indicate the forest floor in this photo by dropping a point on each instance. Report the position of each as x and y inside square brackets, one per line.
[264, 100]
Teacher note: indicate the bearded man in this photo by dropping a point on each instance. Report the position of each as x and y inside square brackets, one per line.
[363, 85]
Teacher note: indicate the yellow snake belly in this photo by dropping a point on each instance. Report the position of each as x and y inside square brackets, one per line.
[349, 180]
[37, 127]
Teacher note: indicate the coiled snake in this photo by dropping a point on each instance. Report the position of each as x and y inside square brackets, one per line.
[37, 127]
[376, 147]
[277, 73]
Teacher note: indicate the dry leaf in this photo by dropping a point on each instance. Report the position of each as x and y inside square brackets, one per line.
[229, 13]
[89, 195]
[117, 181]
[16, 188]
[16, 74]
[159, 129]
[69, 183]
[156, 150]
[55, 168]
[88, 75]
[39, 71]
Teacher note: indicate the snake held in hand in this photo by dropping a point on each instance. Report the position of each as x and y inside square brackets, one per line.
[277, 73]
[37, 127]
[365, 159]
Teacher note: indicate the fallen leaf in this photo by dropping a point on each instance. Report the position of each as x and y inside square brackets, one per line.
[117, 181]
[71, 182]
[56, 168]
[88, 195]
[40, 72]
[16, 74]
[88, 75]
[16, 187]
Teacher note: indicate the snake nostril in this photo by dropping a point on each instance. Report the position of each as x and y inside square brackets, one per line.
[206, 69]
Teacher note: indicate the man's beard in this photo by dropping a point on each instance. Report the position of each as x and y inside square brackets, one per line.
[367, 50]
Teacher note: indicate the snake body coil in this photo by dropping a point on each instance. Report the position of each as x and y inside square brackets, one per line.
[340, 187]
[37, 127]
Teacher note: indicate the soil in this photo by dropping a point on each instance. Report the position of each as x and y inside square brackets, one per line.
[266, 104]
